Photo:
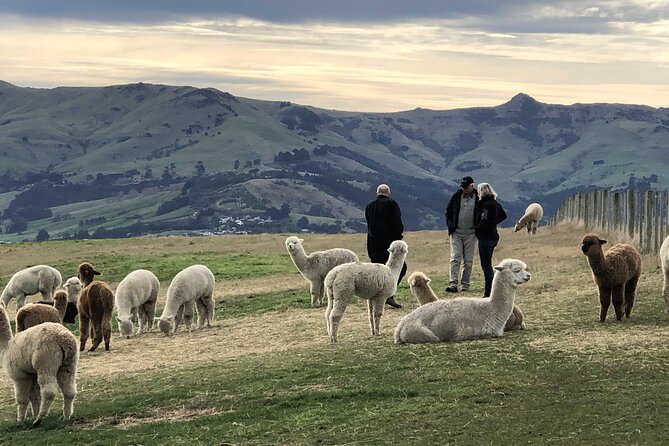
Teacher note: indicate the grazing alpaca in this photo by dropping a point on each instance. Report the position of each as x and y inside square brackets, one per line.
[615, 272]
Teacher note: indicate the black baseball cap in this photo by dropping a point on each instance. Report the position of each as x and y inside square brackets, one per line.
[466, 181]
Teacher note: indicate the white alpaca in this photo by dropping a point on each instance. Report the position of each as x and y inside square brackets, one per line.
[73, 287]
[533, 215]
[466, 317]
[41, 278]
[194, 284]
[372, 281]
[136, 297]
[40, 360]
[315, 266]
[419, 284]
[664, 257]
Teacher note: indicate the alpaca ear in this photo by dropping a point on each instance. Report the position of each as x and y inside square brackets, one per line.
[499, 268]
[118, 320]
[601, 242]
[428, 280]
[95, 273]
[301, 240]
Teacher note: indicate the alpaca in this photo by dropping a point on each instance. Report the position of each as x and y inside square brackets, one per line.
[95, 306]
[136, 297]
[40, 360]
[41, 278]
[194, 284]
[664, 257]
[419, 284]
[35, 314]
[466, 317]
[533, 215]
[73, 287]
[372, 281]
[616, 274]
[315, 266]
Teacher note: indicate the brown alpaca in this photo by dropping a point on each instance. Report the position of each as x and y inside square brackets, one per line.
[95, 306]
[419, 284]
[616, 273]
[35, 314]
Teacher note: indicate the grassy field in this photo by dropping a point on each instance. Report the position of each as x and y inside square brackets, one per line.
[266, 373]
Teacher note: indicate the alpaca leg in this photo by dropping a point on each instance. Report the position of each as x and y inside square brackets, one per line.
[22, 388]
[335, 317]
[630, 294]
[605, 302]
[189, 307]
[377, 312]
[210, 306]
[150, 308]
[97, 332]
[665, 290]
[106, 329]
[328, 310]
[201, 312]
[179, 316]
[48, 391]
[370, 315]
[316, 292]
[420, 335]
[20, 301]
[35, 397]
[68, 385]
[618, 297]
[84, 329]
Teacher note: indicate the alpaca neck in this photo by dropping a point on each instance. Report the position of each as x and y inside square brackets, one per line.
[299, 258]
[598, 263]
[171, 308]
[5, 332]
[87, 282]
[395, 264]
[500, 292]
[429, 295]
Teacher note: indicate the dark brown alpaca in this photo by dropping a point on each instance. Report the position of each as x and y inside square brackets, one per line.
[616, 273]
[95, 306]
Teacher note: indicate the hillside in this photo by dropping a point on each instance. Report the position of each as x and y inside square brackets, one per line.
[144, 158]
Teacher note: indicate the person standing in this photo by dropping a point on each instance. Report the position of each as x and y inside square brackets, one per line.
[489, 214]
[384, 226]
[461, 230]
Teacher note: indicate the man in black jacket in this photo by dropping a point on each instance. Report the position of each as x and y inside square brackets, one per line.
[384, 225]
[461, 226]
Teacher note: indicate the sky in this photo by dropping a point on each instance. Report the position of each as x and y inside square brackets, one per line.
[362, 55]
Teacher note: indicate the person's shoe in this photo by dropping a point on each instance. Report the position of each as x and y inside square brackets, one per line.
[452, 289]
[465, 288]
[391, 301]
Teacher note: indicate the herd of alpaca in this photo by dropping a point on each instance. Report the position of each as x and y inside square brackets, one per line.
[42, 356]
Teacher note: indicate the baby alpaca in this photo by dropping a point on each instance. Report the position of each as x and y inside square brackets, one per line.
[372, 281]
[615, 272]
[315, 266]
[466, 317]
[533, 215]
[419, 284]
[40, 360]
[35, 314]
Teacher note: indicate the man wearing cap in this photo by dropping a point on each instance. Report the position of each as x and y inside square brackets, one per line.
[461, 230]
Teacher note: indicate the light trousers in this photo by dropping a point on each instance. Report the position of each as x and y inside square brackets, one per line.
[462, 253]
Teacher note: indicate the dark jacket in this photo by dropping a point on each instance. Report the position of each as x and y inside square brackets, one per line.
[453, 210]
[487, 216]
[384, 224]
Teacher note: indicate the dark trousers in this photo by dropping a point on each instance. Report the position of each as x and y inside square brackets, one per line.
[486, 248]
[382, 257]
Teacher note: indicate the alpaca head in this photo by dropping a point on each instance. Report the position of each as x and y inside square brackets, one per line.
[418, 280]
[398, 247]
[518, 226]
[294, 244]
[591, 244]
[166, 325]
[125, 327]
[73, 287]
[87, 273]
[514, 271]
[60, 298]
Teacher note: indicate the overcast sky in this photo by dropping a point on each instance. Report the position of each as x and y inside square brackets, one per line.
[364, 55]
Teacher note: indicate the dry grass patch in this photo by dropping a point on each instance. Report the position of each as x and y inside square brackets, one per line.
[158, 416]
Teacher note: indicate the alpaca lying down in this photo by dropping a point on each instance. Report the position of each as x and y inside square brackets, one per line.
[466, 317]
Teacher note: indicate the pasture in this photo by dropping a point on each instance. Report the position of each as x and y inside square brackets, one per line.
[267, 374]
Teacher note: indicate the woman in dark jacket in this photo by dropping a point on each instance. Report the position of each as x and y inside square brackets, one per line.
[488, 215]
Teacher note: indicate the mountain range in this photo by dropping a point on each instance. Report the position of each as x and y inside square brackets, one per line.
[142, 158]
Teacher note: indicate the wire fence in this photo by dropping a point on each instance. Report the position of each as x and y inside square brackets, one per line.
[636, 217]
